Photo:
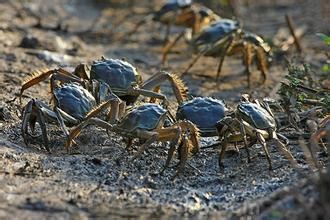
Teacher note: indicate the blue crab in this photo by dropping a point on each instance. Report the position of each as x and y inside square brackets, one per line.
[225, 37]
[72, 105]
[126, 82]
[204, 112]
[256, 121]
[146, 122]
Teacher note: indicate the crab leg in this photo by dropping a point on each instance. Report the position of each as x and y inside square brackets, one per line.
[157, 90]
[169, 46]
[162, 134]
[62, 76]
[262, 141]
[222, 56]
[240, 123]
[41, 75]
[42, 123]
[151, 137]
[282, 148]
[178, 87]
[189, 128]
[147, 18]
[285, 139]
[168, 28]
[149, 93]
[38, 110]
[247, 61]
[265, 105]
[174, 142]
[285, 152]
[28, 118]
[174, 135]
[89, 121]
[114, 113]
[32, 109]
[262, 63]
[243, 131]
[122, 109]
[229, 137]
[224, 145]
[60, 120]
[194, 61]
[183, 152]
[183, 18]
[116, 108]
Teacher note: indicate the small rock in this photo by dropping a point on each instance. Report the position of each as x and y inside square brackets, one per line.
[11, 57]
[52, 57]
[29, 41]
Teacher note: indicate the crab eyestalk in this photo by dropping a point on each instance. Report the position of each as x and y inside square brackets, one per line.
[82, 71]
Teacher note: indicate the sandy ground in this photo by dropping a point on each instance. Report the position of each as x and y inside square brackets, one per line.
[97, 179]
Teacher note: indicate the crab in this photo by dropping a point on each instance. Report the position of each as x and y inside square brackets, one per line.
[180, 13]
[122, 78]
[256, 121]
[204, 112]
[72, 105]
[146, 122]
[225, 37]
[126, 82]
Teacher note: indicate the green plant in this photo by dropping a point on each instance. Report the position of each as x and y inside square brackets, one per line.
[300, 90]
[325, 38]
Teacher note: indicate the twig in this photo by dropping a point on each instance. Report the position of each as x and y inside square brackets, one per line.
[296, 40]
